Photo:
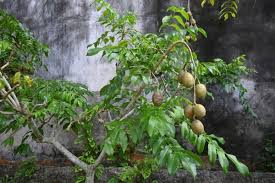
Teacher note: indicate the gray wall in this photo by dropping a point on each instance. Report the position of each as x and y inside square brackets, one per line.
[69, 25]
[252, 34]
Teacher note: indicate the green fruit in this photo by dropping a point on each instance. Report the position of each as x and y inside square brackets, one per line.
[201, 90]
[199, 111]
[197, 127]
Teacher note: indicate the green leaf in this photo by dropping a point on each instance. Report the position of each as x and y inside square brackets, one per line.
[201, 143]
[212, 153]
[240, 166]
[212, 2]
[179, 10]
[193, 137]
[179, 20]
[4, 45]
[108, 148]
[94, 51]
[223, 161]
[189, 166]
[164, 155]
[177, 113]
[166, 19]
[203, 32]
[172, 163]
[219, 139]
[8, 141]
[157, 145]
[184, 130]
[203, 3]
[23, 149]
[153, 122]
[123, 140]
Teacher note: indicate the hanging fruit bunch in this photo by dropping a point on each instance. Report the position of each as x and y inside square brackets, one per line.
[194, 112]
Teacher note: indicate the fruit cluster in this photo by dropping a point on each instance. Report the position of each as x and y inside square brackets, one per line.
[194, 112]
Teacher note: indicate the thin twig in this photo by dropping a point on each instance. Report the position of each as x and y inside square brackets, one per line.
[7, 113]
[40, 105]
[99, 159]
[127, 115]
[109, 116]
[188, 6]
[4, 66]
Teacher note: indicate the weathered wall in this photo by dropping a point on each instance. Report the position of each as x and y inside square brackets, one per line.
[252, 34]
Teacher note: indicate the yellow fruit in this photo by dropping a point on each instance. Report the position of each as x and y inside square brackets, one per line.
[186, 79]
[199, 111]
[201, 91]
[188, 112]
[157, 98]
[197, 127]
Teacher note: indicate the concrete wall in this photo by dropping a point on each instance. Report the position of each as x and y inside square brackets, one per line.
[66, 175]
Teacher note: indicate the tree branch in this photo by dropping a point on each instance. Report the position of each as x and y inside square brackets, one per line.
[99, 159]
[7, 113]
[10, 91]
[67, 153]
[39, 105]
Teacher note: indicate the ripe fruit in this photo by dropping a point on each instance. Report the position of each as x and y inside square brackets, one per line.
[197, 127]
[199, 111]
[201, 90]
[188, 112]
[186, 79]
[157, 98]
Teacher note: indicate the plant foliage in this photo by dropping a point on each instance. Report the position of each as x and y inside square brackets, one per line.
[228, 9]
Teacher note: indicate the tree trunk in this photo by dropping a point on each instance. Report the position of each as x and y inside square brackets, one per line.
[90, 177]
